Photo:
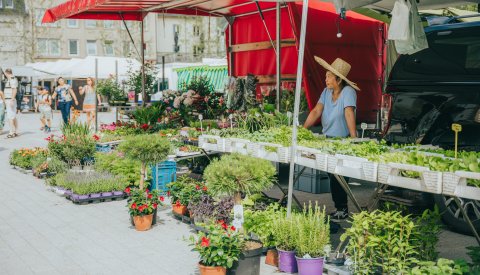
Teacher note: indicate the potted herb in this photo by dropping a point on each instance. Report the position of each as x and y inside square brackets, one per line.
[313, 235]
[148, 149]
[218, 249]
[285, 230]
[142, 206]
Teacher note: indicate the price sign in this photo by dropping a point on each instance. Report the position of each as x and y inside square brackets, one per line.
[364, 126]
[456, 128]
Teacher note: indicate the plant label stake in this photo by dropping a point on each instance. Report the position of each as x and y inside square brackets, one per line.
[456, 128]
[237, 216]
[289, 116]
[200, 117]
[231, 121]
[364, 127]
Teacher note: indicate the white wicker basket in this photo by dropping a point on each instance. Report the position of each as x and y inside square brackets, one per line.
[355, 167]
[455, 184]
[281, 153]
[204, 141]
[307, 157]
[236, 145]
[429, 181]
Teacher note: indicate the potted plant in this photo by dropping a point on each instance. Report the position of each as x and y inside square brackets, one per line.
[178, 196]
[142, 206]
[313, 235]
[285, 231]
[218, 249]
[148, 149]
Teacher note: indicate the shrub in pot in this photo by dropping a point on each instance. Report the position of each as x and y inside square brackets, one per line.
[142, 206]
[180, 193]
[218, 249]
[313, 235]
[148, 149]
[260, 224]
[285, 231]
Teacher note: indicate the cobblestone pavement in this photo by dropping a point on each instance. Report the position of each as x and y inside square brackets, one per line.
[43, 233]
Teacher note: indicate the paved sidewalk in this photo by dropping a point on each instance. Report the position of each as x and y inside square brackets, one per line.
[43, 233]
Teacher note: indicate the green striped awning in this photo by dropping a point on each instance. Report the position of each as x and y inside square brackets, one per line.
[216, 74]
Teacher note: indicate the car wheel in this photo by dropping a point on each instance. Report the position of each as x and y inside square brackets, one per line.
[452, 215]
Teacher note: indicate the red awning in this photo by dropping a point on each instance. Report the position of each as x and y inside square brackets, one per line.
[136, 10]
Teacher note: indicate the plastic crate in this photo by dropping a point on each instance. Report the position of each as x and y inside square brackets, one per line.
[279, 154]
[162, 174]
[236, 145]
[205, 142]
[354, 167]
[307, 157]
[311, 181]
[429, 181]
[455, 184]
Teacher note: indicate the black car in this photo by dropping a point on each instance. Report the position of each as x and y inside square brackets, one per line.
[431, 89]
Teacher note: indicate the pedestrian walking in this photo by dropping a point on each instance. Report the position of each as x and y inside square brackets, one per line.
[64, 94]
[89, 101]
[10, 94]
[45, 108]
[2, 110]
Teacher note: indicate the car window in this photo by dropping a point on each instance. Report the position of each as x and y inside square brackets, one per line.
[450, 52]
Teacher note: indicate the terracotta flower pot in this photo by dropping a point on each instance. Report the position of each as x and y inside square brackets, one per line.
[143, 223]
[272, 257]
[211, 270]
[180, 209]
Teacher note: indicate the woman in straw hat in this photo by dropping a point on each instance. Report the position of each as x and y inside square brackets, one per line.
[336, 107]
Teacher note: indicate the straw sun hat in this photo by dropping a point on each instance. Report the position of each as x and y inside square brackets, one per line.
[340, 68]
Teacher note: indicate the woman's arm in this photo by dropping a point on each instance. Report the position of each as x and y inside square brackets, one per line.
[313, 116]
[72, 93]
[350, 118]
[81, 90]
[2, 96]
[99, 99]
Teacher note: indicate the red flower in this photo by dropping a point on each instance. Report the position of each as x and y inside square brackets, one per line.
[232, 228]
[95, 137]
[197, 187]
[168, 193]
[161, 198]
[133, 206]
[150, 196]
[178, 203]
[205, 242]
[145, 126]
[147, 191]
[127, 190]
[155, 205]
[204, 188]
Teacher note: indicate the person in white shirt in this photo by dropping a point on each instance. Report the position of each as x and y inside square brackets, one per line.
[10, 93]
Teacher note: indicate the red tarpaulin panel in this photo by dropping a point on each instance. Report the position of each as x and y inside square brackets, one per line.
[362, 45]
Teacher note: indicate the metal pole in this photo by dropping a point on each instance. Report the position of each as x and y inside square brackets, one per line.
[163, 71]
[116, 72]
[296, 109]
[278, 45]
[143, 64]
[96, 96]
[230, 52]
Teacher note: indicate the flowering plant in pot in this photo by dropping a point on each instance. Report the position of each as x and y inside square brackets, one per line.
[142, 206]
[148, 149]
[218, 249]
[182, 191]
[313, 236]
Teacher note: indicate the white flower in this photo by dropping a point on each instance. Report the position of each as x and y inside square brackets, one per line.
[188, 101]
[177, 102]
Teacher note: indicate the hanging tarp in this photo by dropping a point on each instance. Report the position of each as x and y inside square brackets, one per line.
[215, 74]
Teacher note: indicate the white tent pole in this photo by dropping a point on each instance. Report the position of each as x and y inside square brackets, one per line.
[96, 96]
[296, 110]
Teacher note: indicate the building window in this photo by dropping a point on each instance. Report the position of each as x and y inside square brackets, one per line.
[196, 30]
[8, 4]
[72, 23]
[48, 47]
[197, 50]
[73, 47]
[91, 47]
[108, 48]
[108, 24]
[90, 24]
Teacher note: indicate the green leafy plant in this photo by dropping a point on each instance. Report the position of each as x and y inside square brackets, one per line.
[75, 129]
[149, 115]
[313, 232]
[441, 267]
[135, 79]
[221, 246]
[286, 233]
[111, 89]
[235, 174]
[117, 164]
[261, 223]
[83, 183]
[426, 234]
[23, 157]
[148, 149]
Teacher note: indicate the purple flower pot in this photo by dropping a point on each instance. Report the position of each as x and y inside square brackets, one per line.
[107, 194]
[287, 262]
[95, 195]
[68, 192]
[83, 197]
[75, 197]
[118, 193]
[311, 266]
